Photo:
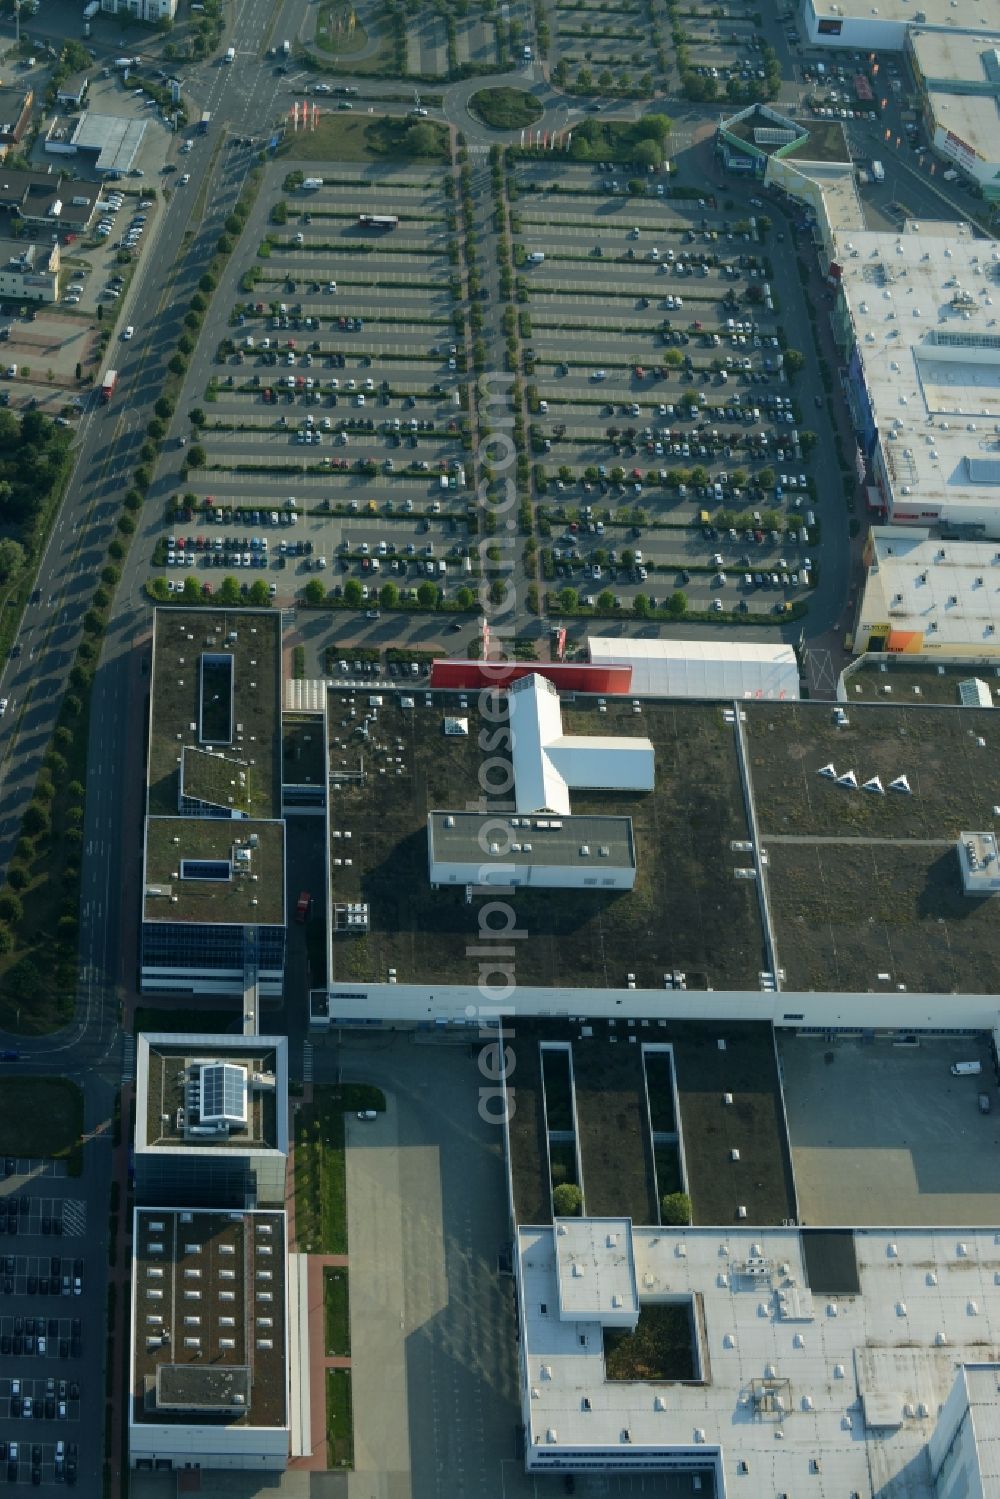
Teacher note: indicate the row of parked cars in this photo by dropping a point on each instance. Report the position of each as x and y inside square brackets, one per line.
[65, 1462]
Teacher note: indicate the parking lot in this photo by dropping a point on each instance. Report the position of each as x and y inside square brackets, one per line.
[43, 1306]
[670, 448]
[338, 394]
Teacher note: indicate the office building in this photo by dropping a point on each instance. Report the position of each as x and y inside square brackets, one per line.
[213, 917]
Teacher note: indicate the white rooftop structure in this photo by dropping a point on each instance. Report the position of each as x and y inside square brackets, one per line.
[715, 669]
[924, 310]
[979, 861]
[840, 23]
[596, 1271]
[796, 1391]
[934, 595]
[548, 764]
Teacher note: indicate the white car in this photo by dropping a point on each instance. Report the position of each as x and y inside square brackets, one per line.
[3, 706]
[128, 333]
[185, 178]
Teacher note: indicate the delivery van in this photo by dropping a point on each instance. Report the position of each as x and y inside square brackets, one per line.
[966, 1069]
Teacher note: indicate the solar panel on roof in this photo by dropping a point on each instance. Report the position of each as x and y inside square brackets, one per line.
[223, 1092]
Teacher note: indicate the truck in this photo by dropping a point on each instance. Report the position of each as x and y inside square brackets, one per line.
[377, 221]
[311, 184]
[966, 1069]
[204, 122]
[537, 257]
[230, 54]
[286, 49]
[108, 385]
[124, 63]
[878, 171]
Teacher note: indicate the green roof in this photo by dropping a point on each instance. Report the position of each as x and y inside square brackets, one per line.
[217, 870]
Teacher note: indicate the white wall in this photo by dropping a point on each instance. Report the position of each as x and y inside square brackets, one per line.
[951, 1449]
[599, 872]
[264, 1448]
[468, 1004]
[863, 32]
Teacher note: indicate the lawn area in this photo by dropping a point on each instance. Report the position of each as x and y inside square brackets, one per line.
[505, 108]
[350, 137]
[320, 1176]
[660, 1347]
[339, 1419]
[42, 1116]
[339, 31]
[337, 1311]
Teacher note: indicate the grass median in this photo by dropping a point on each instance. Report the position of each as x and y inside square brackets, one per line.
[42, 1117]
[320, 1167]
[339, 1419]
[337, 1311]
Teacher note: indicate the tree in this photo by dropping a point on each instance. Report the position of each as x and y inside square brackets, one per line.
[673, 358]
[569, 600]
[766, 478]
[314, 593]
[11, 558]
[427, 595]
[677, 603]
[640, 605]
[196, 456]
[422, 140]
[648, 154]
[605, 599]
[567, 1199]
[11, 909]
[793, 362]
[388, 595]
[6, 935]
[17, 876]
[628, 558]
[352, 593]
[465, 598]
[807, 441]
[655, 126]
[675, 1208]
[260, 594]
[37, 819]
[196, 416]
[229, 591]
[192, 590]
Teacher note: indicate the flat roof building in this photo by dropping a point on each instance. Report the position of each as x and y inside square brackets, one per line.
[916, 314]
[559, 853]
[958, 77]
[211, 1123]
[884, 27]
[840, 1361]
[715, 669]
[114, 141]
[926, 596]
[545, 844]
[213, 916]
[209, 1376]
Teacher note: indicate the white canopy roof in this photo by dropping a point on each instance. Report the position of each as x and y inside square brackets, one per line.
[714, 669]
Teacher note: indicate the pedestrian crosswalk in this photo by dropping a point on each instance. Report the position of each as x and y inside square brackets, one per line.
[74, 1217]
[307, 1061]
[128, 1060]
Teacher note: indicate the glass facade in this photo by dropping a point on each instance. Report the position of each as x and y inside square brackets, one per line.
[195, 945]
